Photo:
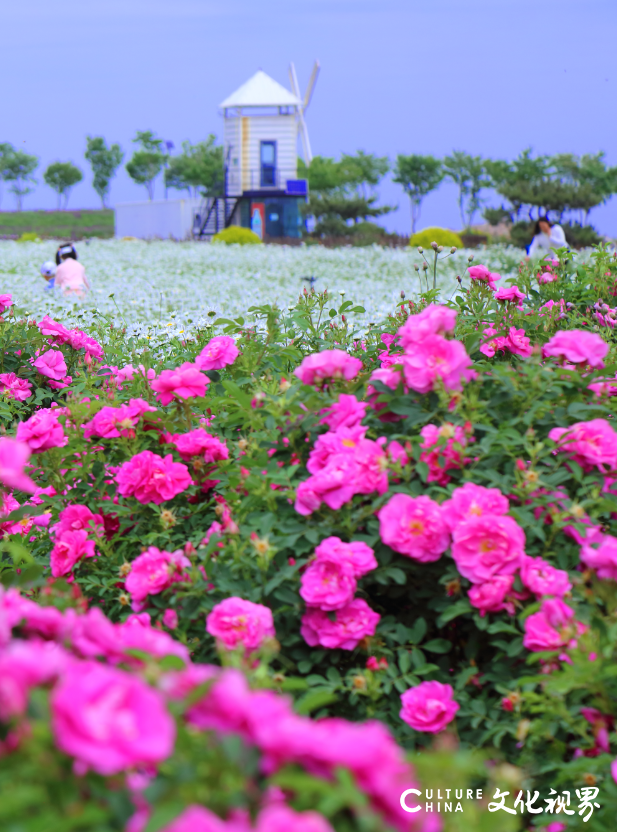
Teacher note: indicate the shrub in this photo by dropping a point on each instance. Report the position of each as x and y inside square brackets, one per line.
[235, 234]
[442, 236]
[29, 237]
[521, 234]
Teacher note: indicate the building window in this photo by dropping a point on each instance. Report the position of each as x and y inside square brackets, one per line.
[268, 164]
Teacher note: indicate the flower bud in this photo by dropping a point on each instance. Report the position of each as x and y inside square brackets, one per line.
[416, 267]
[470, 258]
[402, 295]
[424, 266]
[434, 246]
[453, 249]
[420, 249]
[439, 248]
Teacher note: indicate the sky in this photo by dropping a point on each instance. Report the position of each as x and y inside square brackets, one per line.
[489, 77]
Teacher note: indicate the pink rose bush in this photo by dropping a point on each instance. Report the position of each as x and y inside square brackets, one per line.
[552, 628]
[52, 365]
[345, 629]
[200, 443]
[481, 274]
[591, 444]
[444, 450]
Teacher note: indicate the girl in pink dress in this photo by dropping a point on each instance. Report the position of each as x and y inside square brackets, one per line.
[70, 275]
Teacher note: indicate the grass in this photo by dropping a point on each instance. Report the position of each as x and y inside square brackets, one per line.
[69, 225]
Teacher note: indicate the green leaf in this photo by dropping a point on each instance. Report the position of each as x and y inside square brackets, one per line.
[460, 607]
[234, 391]
[418, 631]
[437, 645]
[314, 700]
[171, 662]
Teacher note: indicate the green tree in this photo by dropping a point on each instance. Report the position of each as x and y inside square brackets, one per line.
[5, 150]
[418, 175]
[342, 193]
[198, 169]
[104, 162]
[147, 162]
[469, 174]
[18, 167]
[62, 177]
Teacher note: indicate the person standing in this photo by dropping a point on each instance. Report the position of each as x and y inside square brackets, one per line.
[70, 275]
[547, 236]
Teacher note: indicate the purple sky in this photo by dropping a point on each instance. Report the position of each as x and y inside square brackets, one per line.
[398, 76]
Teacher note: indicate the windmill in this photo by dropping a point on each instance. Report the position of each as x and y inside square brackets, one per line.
[306, 145]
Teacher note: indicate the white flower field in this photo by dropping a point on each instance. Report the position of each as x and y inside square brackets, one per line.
[165, 287]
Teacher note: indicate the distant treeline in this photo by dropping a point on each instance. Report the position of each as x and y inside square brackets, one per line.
[343, 192]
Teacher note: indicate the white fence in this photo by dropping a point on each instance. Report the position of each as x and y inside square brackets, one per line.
[156, 219]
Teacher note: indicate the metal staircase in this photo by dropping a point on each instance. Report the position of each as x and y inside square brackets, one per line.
[214, 214]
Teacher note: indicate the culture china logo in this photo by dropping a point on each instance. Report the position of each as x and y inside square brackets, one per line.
[442, 801]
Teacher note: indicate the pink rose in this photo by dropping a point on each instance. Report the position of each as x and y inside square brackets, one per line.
[151, 478]
[578, 347]
[490, 596]
[51, 364]
[483, 275]
[42, 431]
[600, 553]
[328, 583]
[552, 628]
[543, 579]
[429, 707]
[110, 720]
[342, 441]
[334, 485]
[70, 547]
[414, 526]
[111, 422]
[13, 457]
[280, 818]
[198, 819]
[337, 364]
[471, 500]
[14, 387]
[547, 277]
[371, 468]
[200, 443]
[346, 412]
[76, 518]
[235, 621]
[55, 329]
[592, 444]
[518, 343]
[486, 546]
[170, 619]
[435, 358]
[350, 625]
[5, 302]
[358, 554]
[434, 320]
[219, 352]
[154, 571]
[184, 382]
[511, 293]
[391, 379]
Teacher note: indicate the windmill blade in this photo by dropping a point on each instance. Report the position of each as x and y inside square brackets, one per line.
[295, 87]
[311, 84]
[306, 145]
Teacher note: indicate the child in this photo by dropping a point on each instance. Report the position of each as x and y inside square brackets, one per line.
[70, 275]
[48, 270]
